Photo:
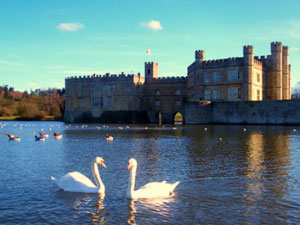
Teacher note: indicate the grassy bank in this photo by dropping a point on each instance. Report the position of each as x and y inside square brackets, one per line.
[20, 118]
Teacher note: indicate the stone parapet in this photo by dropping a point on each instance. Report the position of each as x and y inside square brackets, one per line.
[218, 63]
[169, 80]
[106, 77]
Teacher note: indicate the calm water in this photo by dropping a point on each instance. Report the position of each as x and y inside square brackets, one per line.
[250, 177]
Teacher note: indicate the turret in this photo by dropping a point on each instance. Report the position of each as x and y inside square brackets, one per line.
[199, 55]
[151, 70]
[285, 73]
[248, 53]
[276, 71]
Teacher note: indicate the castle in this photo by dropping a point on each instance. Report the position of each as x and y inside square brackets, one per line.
[247, 78]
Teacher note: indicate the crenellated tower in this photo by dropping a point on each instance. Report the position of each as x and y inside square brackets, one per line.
[248, 53]
[199, 55]
[275, 77]
[151, 71]
[286, 95]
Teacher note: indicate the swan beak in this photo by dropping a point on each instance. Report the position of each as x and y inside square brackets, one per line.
[103, 164]
[128, 166]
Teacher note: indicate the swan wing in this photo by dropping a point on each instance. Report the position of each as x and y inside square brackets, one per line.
[75, 182]
[155, 189]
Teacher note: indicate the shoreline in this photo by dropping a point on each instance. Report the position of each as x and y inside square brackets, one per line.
[19, 118]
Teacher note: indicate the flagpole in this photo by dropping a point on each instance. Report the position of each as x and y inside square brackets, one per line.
[148, 52]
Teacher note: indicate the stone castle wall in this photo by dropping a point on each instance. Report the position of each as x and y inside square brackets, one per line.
[96, 94]
[250, 112]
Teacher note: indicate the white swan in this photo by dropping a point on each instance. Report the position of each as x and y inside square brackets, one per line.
[150, 190]
[77, 182]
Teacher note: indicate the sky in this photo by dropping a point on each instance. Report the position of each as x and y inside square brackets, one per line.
[44, 41]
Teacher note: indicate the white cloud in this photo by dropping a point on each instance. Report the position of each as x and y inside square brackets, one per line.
[153, 25]
[70, 26]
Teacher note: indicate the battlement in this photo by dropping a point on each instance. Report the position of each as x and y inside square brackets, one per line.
[248, 49]
[150, 63]
[285, 50]
[170, 80]
[257, 62]
[107, 76]
[233, 61]
[217, 63]
[276, 46]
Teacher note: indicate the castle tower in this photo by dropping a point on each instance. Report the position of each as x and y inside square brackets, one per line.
[285, 74]
[275, 79]
[199, 55]
[289, 83]
[151, 70]
[248, 53]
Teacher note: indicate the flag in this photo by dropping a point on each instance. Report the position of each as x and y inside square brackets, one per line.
[148, 51]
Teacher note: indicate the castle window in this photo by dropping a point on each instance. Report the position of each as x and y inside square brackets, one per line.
[216, 76]
[216, 94]
[101, 101]
[207, 94]
[157, 102]
[258, 95]
[206, 77]
[177, 92]
[157, 92]
[111, 88]
[82, 103]
[178, 103]
[85, 91]
[233, 75]
[234, 93]
[75, 104]
[95, 102]
[148, 71]
[93, 88]
[109, 101]
[258, 77]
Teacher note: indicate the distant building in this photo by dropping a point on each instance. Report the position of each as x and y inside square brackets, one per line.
[247, 78]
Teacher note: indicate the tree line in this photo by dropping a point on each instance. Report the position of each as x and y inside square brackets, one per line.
[34, 105]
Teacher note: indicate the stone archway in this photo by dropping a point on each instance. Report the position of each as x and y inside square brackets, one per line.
[178, 118]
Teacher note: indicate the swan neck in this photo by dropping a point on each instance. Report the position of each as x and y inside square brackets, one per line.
[97, 177]
[131, 183]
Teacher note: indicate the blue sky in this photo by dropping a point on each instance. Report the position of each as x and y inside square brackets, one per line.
[44, 41]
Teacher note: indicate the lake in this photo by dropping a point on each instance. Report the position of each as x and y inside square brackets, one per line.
[229, 174]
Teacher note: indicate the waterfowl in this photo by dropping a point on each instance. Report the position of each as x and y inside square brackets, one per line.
[57, 136]
[150, 190]
[77, 182]
[10, 135]
[109, 138]
[13, 138]
[41, 138]
[43, 135]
